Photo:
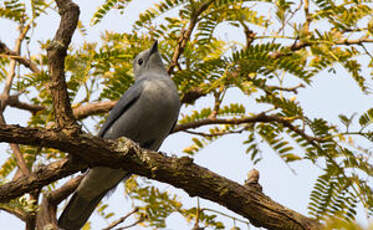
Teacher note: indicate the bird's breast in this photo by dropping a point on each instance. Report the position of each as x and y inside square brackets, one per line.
[151, 117]
[161, 94]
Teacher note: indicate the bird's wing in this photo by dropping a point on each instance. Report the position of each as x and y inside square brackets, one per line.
[125, 102]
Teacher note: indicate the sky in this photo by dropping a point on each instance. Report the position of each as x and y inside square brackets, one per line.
[327, 97]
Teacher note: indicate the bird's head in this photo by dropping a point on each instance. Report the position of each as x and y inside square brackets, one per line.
[148, 61]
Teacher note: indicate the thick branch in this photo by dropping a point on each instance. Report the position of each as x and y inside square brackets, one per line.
[179, 172]
[57, 52]
[48, 208]
[41, 177]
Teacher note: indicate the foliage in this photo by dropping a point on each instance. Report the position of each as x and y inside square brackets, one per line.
[338, 223]
[281, 50]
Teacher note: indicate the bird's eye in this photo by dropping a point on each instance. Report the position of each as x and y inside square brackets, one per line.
[140, 61]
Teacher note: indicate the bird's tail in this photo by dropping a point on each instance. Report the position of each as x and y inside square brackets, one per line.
[96, 184]
[78, 211]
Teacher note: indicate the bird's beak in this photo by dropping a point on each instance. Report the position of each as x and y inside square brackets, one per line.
[154, 48]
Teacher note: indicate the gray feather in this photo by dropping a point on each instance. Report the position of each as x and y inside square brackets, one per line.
[78, 211]
[125, 102]
[146, 113]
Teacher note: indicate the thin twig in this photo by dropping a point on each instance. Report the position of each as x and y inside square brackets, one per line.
[121, 220]
[367, 51]
[218, 100]
[224, 214]
[289, 89]
[185, 35]
[198, 212]
[214, 134]
[308, 16]
[303, 44]
[132, 225]
[4, 97]
[6, 52]
[261, 117]
[249, 34]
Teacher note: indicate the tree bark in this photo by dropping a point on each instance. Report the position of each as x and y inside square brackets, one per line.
[56, 53]
[48, 209]
[247, 201]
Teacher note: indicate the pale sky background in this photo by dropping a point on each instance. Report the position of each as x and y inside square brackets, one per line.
[329, 96]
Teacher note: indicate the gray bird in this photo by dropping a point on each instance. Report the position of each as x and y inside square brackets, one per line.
[146, 114]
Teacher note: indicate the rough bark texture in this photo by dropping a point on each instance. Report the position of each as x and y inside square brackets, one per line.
[57, 52]
[182, 173]
[48, 208]
[41, 177]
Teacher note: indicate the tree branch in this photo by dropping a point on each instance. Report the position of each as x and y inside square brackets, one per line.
[14, 211]
[121, 220]
[60, 194]
[5, 96]
[41, 177]
[14, 101]
[5, 100]
[48, 208]
[17, 50]
[194, 94]
[293, 89]
[261, 117]
[302, 44]
[93, 108]
[179, 172]
[56, 53]
[214, 134]
[308, 16]
[185, 35]
[6, 52]
[133, 224]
